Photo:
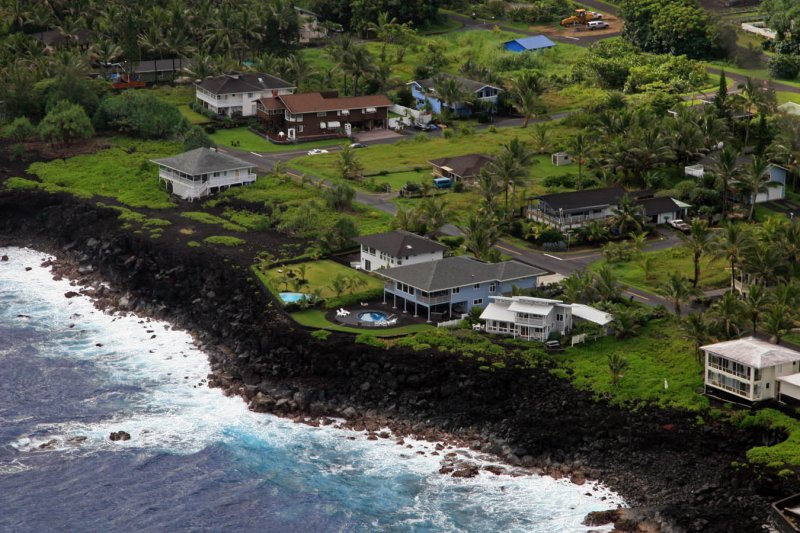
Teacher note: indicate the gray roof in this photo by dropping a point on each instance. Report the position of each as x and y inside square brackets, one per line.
[400, 243]
[237, 82]
[658, 205]
[753, 352]
[466, 166]
[202, 161]
[467, 84]
[586, 198]
[458, 271]
[160, 65]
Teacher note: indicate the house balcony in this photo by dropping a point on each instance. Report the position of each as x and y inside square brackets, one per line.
[564, 221]
[433, 300]
[538, 322]
[738, 392]
[741, 375]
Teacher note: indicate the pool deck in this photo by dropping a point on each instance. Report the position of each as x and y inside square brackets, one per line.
[403, 319]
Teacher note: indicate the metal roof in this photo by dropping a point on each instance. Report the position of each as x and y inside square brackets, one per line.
[753, 352]
[465, 166]
[459, 271]
[400, 243]
[591, 314]
[468, 85]
[535, 42]
[202, 161]
[498, 312]
[316, 102]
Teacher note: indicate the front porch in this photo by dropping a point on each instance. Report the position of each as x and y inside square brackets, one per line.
[431, 308]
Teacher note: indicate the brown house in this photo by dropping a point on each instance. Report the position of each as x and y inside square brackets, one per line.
[463, 168]
[315, 116]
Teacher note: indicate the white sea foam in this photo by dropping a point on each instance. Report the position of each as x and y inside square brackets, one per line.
[171, 410]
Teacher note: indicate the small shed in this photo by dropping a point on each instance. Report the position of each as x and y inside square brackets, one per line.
[536, 42]
[560, 159]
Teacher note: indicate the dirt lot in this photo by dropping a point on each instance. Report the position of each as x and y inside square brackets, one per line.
[614, 27]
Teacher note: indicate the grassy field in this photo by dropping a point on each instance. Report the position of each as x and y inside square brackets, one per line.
[193, 116]
[314, 318]
[319, 275]
[122, 172]
[658, 353]
[712, 272]
[246, 140]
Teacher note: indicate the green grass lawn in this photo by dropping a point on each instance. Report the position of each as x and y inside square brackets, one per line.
[174, 94]
[122, 172]
[193, 116]
[712, 272]
[315, 318]
[658, 353]
[250, 142]
[224, 240]
[319, 275]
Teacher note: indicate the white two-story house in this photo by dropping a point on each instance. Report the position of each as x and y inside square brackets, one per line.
[748, 370]
[397, 248]
[203, 171]
[527, 318]
[238, 93]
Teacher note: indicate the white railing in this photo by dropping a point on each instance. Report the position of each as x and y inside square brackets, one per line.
[450, 323]
[566, 220]
[428, 300]
[219, 181]
[530, 321]
[727, 371]
[737, 392]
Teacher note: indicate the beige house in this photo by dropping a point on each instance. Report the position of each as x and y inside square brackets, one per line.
[749, 370]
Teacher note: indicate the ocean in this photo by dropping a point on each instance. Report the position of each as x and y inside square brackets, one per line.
[198, 460]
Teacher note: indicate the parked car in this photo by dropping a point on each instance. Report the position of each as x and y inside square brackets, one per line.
[317, 151]
[553, 346]
[680, 225]
[597, 25]
[423, 127]
[358, 145]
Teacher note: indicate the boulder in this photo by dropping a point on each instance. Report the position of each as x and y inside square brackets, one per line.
[119, 435]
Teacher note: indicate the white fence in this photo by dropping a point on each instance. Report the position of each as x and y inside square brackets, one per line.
[408, 116]
[451, 323]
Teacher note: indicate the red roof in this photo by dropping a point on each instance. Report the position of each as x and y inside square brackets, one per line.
[315, 102]
[271, 104]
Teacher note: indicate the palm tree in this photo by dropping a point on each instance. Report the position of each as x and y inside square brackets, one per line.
[687, 138]
[606, 284]
[385, 29]
[580, 147]
[726, 314]
[348, 164]
[698, 241]
[755, 303]
[481, 235]
[435, 213]
[753, 98]
[489, 186]
[579, 287]
[406, 218]
[647, 265]
[785, 147]
[617, 366]
[627, 216]
[696, 328]
[450, 92]
[777, 322]
[726, 169]
[525, 90]
[754, 180]
[731, 245]
[341, 51]
[678, 289]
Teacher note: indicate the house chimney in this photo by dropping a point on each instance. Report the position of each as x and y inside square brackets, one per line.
[274, 93]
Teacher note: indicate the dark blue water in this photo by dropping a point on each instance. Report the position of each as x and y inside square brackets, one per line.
[198, 460]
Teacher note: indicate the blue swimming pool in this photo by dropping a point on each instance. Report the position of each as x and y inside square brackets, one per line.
[372, 316]
[292, 297]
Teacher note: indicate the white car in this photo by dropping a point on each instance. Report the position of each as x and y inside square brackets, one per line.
[317, 151]
[680, 225]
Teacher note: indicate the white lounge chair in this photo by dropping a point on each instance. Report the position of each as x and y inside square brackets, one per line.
[345, 312]
[339, 313]
[391, 322]
[476, 327]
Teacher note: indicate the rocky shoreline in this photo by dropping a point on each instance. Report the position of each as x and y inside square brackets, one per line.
[677, 474]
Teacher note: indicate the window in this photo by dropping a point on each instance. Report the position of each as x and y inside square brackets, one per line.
[492, 287]
[476, 286]
[456, 290]
[479, 301]
[300, 128]
[216, 174]
[249, 95]
[399, 262]
[322, 114]
[559, 318]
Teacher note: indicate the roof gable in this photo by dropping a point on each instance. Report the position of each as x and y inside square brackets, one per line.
[753, 352]
[400, 243]
[316, 102]
[459, 271]
[202, 161]
[236, 82]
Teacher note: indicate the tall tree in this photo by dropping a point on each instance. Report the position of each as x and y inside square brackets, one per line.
[726, 169]
[698, 241]
[627, 216]
[732, 244]
[754, 303]
[678, 289]
[754, 181]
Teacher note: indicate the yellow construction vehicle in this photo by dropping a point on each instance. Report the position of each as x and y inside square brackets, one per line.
[581, 17]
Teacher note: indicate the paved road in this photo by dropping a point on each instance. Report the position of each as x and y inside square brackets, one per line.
[740, 79]
[586, 39]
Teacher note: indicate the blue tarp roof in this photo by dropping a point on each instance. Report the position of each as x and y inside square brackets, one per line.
[533, 43]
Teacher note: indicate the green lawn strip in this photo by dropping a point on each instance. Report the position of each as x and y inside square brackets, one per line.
[786, 96]
[314, 318]
[128, 215]
[658, 353]
[224, 240]
[319, 275]
[208, 218]
[245, 140]
[174, 94]
[712, 272]
[785, 453]
[247, 219]
[193, 116]
[122, 172]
